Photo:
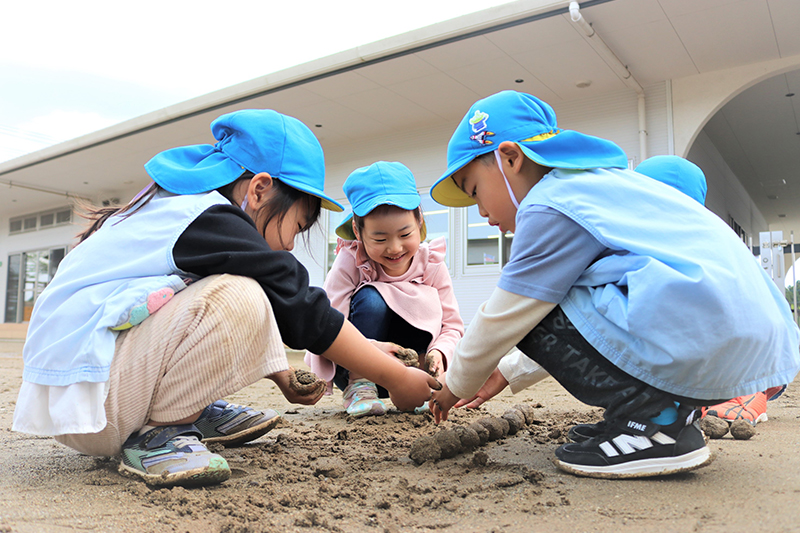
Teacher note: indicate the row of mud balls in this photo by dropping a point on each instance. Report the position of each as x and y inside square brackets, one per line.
[716, 428]
[450, 442]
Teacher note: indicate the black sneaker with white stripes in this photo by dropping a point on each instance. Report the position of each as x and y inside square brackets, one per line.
[632, 448]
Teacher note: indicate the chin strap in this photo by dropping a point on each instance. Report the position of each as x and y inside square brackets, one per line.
[508, 185]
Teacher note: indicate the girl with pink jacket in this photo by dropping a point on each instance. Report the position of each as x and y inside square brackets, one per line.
[390, 284]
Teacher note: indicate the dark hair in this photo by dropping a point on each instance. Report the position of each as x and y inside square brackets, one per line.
[98, 215]
[382, 209]
[279, 204]
[487, 159]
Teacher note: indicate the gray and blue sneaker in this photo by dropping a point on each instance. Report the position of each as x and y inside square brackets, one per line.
[231, 425]
[172, 455]
[361, 399]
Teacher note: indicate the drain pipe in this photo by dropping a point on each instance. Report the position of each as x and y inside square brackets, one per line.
[619, 69]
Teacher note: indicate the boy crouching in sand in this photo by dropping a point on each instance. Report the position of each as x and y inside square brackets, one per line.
[611, 288]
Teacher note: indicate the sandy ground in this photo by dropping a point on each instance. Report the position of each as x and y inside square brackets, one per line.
[321, 471]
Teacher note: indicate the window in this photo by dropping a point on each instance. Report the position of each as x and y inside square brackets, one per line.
[48, 219]
[28, 274]
[485, 244]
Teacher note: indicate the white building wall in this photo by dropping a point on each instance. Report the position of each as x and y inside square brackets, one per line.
[726, 196]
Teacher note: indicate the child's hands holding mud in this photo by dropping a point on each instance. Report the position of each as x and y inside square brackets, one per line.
[413, 389]
[299, 386]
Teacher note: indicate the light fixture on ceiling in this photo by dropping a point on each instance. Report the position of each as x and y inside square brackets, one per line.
[518, 80]
[784, 181]
[317, 125]
[781, 216]
[582, 84]
[789, 95]
[772, 197]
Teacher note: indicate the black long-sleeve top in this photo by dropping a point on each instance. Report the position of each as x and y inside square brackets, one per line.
[224, 240]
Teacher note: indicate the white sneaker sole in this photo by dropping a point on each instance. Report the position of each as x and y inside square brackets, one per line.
[660, 466]
[215, 472]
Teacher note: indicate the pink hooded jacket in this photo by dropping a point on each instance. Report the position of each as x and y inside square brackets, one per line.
[423, 296]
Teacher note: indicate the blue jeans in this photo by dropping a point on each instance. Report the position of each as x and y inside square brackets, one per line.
[373, 318]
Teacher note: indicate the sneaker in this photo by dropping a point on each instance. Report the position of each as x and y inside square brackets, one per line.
[752, 408]
[232, 425]
[361, 399]
[584, 432]
[631, 449]
[172, 455]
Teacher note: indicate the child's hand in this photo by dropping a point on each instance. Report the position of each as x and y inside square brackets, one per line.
[493, 386]
[432, 362]
[442, 401]
[297, 392]
[414, 389]
[389, 348]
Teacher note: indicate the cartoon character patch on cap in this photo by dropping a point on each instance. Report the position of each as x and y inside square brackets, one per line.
[478, 125]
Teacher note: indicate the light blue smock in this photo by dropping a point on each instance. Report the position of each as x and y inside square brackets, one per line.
[101, 284]
[683, 305]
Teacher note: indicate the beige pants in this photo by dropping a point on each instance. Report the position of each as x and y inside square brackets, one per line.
[212, 339]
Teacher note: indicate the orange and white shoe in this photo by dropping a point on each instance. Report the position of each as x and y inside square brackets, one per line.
[752, 408]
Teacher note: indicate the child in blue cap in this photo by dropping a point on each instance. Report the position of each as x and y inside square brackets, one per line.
[186, 295]
[616, 300]
[388, 282]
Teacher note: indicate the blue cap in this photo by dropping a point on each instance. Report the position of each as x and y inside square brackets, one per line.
[258, 140]
[380, 183]
[531, 124]
[677, 172]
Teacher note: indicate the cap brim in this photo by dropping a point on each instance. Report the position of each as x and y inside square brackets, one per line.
[446, 192]
[327, 202]
[575, 151]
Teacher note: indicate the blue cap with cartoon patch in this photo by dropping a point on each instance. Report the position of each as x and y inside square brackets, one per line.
[531, 124]
[258, 140]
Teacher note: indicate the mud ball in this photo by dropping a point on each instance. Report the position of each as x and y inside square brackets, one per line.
[504, 425]
[448, 442]
[526, 410]
[493, 426]
[515, 419]
[742, 429]
[480, 459]
[425, 449]
[468, 437]
[407, 356]
[714, 427]
[305, 377]
[480, 429]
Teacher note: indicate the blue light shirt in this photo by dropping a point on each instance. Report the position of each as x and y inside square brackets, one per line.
[679, 298]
